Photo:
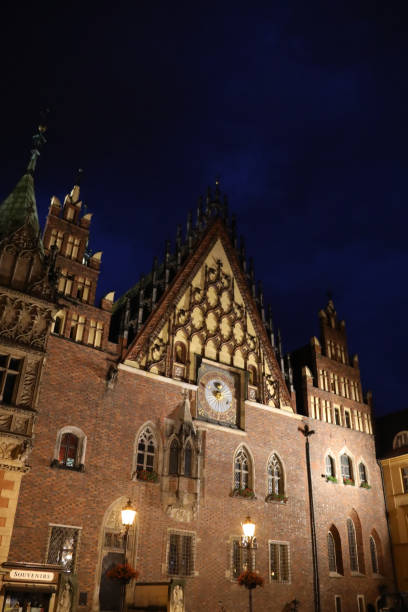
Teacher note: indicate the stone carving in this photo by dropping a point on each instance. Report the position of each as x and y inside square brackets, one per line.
[112, 376]
[6, 449]
[64, 603]
[22, 451]
[24, 322]
[184, 514]
[177, 599]
[5, 421]
[29, 382]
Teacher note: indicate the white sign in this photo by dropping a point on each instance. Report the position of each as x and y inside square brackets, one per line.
[18, 574]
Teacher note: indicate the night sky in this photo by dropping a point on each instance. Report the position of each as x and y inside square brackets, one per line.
[300, 108]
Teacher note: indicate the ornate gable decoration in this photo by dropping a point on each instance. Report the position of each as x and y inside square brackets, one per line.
[212, 315]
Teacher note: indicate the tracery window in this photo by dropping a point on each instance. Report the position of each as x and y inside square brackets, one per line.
[145, 451]
[242, 478]
[275, 476]
[351, 532]
[346, 467]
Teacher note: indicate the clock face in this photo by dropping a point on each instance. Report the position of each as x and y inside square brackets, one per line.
[217, 399]
[218, 394]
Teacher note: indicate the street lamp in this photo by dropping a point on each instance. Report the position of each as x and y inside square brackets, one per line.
[128, 516]
[248, 528]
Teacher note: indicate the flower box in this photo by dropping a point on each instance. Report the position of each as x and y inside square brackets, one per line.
[331, 479]
[365, 485]
[147, 476]
[349, 481]
[247, 493]
[276, 497]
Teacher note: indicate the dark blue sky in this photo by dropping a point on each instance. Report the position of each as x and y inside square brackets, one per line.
[301, 109]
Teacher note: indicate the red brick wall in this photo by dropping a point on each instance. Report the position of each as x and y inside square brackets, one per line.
[73, 392]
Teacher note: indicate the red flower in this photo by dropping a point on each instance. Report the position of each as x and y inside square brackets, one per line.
[250, 580]
[123, 572]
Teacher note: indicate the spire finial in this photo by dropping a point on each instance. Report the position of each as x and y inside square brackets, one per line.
[217, 189]
[79, 177]
[38, 141]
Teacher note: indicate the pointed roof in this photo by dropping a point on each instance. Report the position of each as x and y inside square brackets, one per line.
[20, 208]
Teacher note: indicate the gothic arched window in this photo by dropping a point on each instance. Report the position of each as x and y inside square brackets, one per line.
[331, 551]
[351, 532]
[69, 450]
[374, 558]
[242, 477]
[362, 472]
[275, 476]
[346, 467]
[146, 449]
[174, 457]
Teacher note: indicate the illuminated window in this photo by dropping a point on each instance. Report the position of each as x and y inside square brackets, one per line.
[10, 370]
[279, 568]
[238, 558]
[180, 553]
[65, 282]
[275, 476]
[68, 450]
[56, 238]
[70, 447]
[63, 546]
[83, 289]
[95, 333]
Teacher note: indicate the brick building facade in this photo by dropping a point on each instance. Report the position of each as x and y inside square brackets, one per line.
[180, 399]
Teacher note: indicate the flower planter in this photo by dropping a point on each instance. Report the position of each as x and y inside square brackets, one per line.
[245, 493]
[276, 497]
[349, 481]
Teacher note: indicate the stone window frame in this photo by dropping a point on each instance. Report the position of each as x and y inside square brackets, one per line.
[158, 454]
[361, 603]
[364, 464]
[279, 544]
[337, 603]
[338, 552]
[234, 543]
[345, 451]
[17, 374]
[282, 478]
[251, 470]
[333, 463]
[182, 534]
[81, 449]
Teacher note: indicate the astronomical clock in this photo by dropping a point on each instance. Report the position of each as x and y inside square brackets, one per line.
[218, 395]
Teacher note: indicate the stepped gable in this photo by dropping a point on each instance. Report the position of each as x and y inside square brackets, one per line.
[201, 301]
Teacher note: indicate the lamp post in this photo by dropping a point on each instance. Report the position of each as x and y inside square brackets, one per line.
[248, 528]
[128, 516]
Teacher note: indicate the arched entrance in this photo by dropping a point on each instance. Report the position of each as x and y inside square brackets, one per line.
[110, 591]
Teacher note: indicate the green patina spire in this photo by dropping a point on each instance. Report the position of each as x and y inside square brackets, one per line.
[20, 208]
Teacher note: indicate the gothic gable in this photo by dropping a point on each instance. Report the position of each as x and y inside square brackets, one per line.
[208, 312]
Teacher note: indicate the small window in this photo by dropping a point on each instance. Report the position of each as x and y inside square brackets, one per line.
[174, 458]
[337, 417]
[180, 557]
[337, 603]
[10, 369]
[351, 532]
[68, 450]
[253, 375]
[362, 473]
[361, 603]
[241, 470]
[63, 546]
[346, 467]
[347, 418]
[180, 353]
[279, 569]
[330, 471]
